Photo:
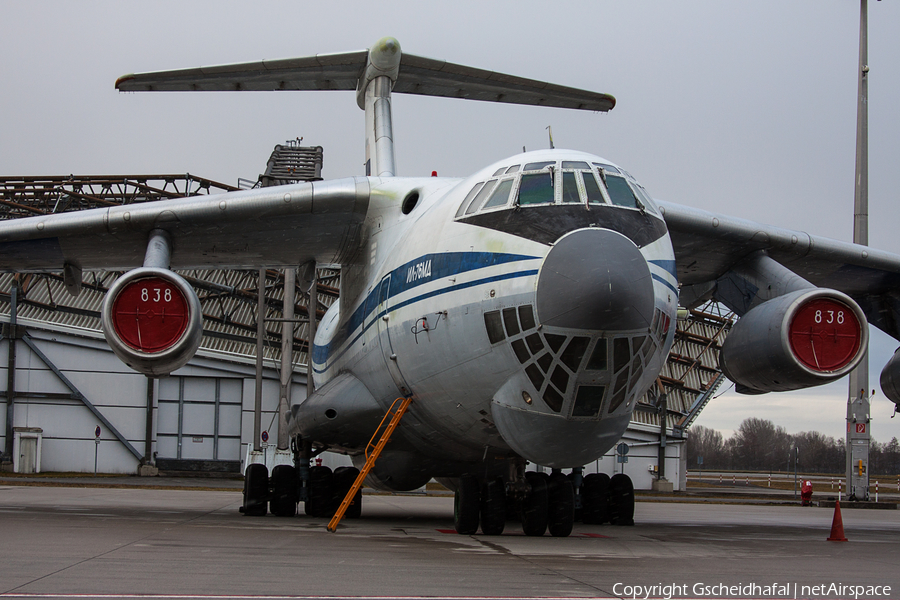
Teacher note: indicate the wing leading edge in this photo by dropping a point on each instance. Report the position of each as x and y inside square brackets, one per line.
[278, 226]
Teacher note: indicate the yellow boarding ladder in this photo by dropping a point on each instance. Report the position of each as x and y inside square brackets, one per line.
[373, 450]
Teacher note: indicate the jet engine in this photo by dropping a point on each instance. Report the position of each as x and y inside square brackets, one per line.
[152, 321]
[890, 379]
[802, 339]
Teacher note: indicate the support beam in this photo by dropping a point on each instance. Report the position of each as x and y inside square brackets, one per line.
[287, 357]
[148, 431]
[313, 309]
[11, 373]
[260, 337]
[77, 393]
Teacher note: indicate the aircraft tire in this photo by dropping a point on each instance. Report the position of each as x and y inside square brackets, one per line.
[467, 505]
[561, 506]
[284, 491]
[256, 490]
[493, 507]
[320, 495]
[534, 507]
[595, 499]
[343, 480]
[621, 496]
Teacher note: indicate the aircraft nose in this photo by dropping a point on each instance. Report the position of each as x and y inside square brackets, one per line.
[595, 279]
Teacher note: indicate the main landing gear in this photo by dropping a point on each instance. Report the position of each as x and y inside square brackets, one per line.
[282, 492]
[543, 502]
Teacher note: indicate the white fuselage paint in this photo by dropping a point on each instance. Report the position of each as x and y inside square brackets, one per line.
[418, 326]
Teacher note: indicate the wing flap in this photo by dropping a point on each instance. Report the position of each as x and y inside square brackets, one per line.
[277, 226]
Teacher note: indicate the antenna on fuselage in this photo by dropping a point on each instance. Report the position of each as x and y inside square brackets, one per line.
[551, 136]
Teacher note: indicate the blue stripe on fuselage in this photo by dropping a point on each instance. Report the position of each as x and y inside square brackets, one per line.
[664, 282]
[410, 275]
[667, 265]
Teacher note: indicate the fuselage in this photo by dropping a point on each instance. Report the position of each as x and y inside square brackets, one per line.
[526, 308]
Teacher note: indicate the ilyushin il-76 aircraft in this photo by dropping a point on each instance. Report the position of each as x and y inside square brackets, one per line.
[524, 308]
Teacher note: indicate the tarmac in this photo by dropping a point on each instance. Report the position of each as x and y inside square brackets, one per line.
[67, 536]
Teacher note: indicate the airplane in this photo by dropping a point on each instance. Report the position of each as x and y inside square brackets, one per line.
[525, 308]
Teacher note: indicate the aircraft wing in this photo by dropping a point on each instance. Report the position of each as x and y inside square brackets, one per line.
[342, 71]
[275, 226]
[707, 245]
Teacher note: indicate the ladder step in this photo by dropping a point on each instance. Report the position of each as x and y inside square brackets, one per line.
[372, 454]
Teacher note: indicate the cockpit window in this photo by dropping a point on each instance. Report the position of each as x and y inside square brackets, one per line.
[536, 188]
[607, 168]
[468, 200]
[620, 192]
[537, 166]
[570, 189]
[479, 199]
[499, 172]
[575, 164]
[512, 169]
[594, 195]
[501, 195]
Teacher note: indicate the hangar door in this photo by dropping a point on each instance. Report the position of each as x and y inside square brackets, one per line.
[199, 418]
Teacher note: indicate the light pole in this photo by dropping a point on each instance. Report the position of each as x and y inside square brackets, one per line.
[858, 433]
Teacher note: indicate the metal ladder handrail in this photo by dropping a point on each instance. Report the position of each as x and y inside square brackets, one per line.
[372, 452]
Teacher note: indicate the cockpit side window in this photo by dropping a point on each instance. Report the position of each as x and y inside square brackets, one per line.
[512, 169]
[501, 195]
[499, 172]
[619, 192]
[468, 200]
[645, 198]
[536, 188]
[537, 166]
[479, 199]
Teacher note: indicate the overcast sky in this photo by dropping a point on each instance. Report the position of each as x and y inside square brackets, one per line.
[741, 107]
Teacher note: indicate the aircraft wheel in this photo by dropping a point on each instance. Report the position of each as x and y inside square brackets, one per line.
[342, 481]
[595, 499]
[561, 504]
[256, 490]
[534, 507]
[493, 507]
[320, 495]
[621, 500]
[466, 505]
[284, 491]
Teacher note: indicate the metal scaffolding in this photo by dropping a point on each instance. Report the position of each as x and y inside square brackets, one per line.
[41, 195]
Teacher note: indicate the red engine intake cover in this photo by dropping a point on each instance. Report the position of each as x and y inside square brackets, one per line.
[825, 334]
[150, 314]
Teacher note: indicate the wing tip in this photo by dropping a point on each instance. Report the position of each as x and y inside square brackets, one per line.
[124, 79]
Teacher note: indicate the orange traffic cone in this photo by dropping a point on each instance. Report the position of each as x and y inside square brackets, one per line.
[837, 525]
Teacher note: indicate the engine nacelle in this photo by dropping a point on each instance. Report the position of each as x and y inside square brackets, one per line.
[806, 338]
[152, 321]
[890, 379]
